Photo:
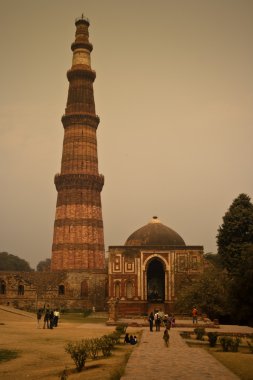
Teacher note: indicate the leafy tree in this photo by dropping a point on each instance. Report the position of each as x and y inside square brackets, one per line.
[9, 262]
[208, 293]
[236, 233]
[212, 259]
[44, 266]
[241, 289]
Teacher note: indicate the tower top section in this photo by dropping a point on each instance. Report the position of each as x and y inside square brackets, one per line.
[81, 20]
[81, 43]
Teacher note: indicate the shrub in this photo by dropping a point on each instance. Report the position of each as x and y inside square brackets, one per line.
[115, 337]
[212, 338]
[106, 345]
[93, 348]
[87, 312]
[235, 344]
[121, 328]
[200, 332]
[78, 352]
[229, 343]
[250, 346]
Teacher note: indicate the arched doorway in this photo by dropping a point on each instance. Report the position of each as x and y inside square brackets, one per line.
[156, 281]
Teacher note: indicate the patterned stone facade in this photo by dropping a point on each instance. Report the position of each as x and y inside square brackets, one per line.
[78, 241]
[144, 278]
[148, 271]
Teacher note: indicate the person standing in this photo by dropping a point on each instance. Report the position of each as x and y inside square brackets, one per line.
[157, 322]
[194, 315]
[56, 317]
[39, 315]
[151, 321]
[46, 319]
[51, 319]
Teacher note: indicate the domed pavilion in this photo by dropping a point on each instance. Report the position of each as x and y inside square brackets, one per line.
[146, 272]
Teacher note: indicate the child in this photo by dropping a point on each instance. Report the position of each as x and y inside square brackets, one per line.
[166, 336]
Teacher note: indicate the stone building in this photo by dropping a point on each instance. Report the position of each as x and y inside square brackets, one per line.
[143, 274]
[146, 273]
[78, 277]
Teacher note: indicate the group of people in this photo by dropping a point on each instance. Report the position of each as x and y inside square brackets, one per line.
[132, 339]
[51, 317]
[167, 320]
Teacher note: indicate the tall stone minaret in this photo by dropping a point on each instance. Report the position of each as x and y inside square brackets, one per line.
[78, 242]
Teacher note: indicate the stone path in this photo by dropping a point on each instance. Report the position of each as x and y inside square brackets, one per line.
[152, 360]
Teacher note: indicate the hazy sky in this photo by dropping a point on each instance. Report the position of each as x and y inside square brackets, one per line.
[174, 93]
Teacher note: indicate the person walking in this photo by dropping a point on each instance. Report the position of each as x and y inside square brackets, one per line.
[151, 321]
[166, 337]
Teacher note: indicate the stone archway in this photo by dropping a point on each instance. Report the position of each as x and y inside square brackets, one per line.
[155, 281]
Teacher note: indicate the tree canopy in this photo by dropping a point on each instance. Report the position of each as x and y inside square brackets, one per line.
[235, 235]
[44, 265]
[208, 293]
[9, 262]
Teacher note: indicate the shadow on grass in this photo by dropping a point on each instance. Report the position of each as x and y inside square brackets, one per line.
[6, 355]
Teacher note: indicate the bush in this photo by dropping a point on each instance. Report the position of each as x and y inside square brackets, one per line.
[235, 344]
[87, 312]
[250, 346]
[115, 337]
[121, 328]
[78, 352]
[93, 347]
[200, 332]
[106, 345]
[229, 343]
[212, 338]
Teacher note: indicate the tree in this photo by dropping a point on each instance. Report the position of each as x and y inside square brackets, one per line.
[208, 293]
[241, 289]
[44, 266]
[236, 233]
[9, 262]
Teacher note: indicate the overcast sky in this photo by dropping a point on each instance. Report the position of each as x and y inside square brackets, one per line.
[174, 93]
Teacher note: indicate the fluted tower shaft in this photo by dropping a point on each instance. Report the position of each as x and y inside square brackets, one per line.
[78, 241]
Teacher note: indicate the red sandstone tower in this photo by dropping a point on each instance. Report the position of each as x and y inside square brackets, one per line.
[78, 241]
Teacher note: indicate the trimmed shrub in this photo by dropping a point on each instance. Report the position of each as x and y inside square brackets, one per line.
[78, 352]
[200, 332]
[115, 337]
[93, 347]
[229, 343]
[106, 345]
[121, 328]
[212, 338]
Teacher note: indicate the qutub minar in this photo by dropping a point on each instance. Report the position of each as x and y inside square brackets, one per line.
[78, 230]
[144, 274]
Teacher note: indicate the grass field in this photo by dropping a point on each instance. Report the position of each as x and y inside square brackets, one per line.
[240, 363]
[37, 353]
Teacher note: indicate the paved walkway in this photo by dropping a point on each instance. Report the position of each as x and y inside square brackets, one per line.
[152, 360]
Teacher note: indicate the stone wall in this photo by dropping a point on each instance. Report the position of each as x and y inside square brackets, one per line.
[65, 290]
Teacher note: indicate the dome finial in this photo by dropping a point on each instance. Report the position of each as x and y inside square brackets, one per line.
[155, 220]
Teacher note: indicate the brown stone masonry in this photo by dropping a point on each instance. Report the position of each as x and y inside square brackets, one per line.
[78, 242]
